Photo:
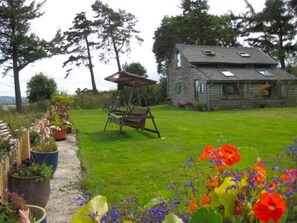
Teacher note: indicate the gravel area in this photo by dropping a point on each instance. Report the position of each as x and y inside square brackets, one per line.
[65, 185]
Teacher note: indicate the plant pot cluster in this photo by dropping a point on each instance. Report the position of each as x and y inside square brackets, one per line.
[30, 179]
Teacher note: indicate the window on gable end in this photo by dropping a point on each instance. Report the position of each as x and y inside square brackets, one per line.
[227, 73]
[178, 60]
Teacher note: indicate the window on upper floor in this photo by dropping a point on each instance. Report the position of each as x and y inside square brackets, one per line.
[178, 60]
[227, 73]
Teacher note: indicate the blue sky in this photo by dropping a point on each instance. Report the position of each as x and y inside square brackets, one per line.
[60, 13]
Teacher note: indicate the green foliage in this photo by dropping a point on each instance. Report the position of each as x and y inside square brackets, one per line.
[36, 107]
[141, 164]
[135, 68]
[31, 169]
[206, 216]
[62, 99]
[91, 101]
[97, 206]
[16, 121]
[49, 145]
[273, 29]
[7, 214]
[40, 87]
[212, 30]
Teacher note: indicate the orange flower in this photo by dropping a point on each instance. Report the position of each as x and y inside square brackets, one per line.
[270, 206]
[229, 154]
[208, 153]
[289, 176]
[259, 179]
[213, 182]
[206, 199]
[193, 205]
[260, 167]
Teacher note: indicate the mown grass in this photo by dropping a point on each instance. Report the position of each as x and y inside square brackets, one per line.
[141, 164]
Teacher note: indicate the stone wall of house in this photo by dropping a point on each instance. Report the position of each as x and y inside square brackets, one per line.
[180, 84]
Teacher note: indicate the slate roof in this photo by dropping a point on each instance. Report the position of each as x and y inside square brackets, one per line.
[244, 68]
[224, 55]
[245, 74]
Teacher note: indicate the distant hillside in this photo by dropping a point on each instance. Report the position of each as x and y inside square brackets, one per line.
[9, 100]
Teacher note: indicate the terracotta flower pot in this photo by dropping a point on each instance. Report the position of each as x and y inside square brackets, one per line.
[60, 134]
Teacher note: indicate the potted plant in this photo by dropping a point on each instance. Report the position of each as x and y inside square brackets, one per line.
[58, 124]
[44, 148]
[17, 210]
[46, 152]
[32, 180]
[200, 106]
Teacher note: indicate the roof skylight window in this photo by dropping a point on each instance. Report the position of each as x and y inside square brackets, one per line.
[265, 73]
[209, 53]
[243, 54]
[227, 73]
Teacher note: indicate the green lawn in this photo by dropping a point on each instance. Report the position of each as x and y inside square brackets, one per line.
[141, 164]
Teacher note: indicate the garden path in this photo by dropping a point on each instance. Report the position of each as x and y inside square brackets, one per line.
[65, 185]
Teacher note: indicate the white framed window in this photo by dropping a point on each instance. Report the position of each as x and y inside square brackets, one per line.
[227, 73]
[178, 60]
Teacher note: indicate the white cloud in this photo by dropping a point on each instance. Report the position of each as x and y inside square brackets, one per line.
[60, 13]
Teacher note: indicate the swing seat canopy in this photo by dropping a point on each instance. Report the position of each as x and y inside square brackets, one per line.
[124, 78]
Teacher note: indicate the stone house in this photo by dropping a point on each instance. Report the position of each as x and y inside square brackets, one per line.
[227, 77]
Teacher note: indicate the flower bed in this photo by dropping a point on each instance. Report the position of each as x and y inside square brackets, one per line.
[230, 195]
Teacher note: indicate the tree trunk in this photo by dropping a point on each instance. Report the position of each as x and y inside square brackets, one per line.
[17, 90]
[117, 55]
[94, 88]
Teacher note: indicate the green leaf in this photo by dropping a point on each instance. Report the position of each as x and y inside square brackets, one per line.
[97, 205]
[226, 196]
[204, 215]
[172, 218]
[152, 203]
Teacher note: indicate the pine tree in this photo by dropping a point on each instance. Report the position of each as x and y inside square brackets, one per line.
[19, 47]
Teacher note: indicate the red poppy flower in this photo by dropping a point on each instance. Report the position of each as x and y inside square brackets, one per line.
[208, 153]
[229, 154]
[193, 205]
[270, 206]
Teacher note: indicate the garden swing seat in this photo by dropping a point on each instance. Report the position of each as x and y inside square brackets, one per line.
[134, 117]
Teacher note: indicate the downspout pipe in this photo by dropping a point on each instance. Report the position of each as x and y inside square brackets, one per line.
[207, 95]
